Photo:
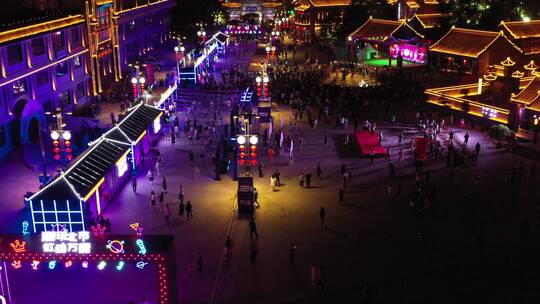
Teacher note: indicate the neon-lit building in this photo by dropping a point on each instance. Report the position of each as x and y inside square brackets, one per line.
[62, 63]
[525, 34]
[86, 187]
[312, 15]
[379, 39]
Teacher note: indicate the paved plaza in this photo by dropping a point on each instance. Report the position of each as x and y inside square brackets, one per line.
[372, 247]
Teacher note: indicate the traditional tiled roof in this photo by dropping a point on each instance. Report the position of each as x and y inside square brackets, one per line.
[318, 3]
[467, 42]
[376, 28]
[379, 29]
[412, 4]
[530, 95]
[522, 29]
[428, 20]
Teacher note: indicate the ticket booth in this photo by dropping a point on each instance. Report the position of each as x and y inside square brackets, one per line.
[245, 194]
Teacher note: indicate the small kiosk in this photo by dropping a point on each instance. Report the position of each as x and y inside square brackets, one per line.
[245, 194]
[92, 180]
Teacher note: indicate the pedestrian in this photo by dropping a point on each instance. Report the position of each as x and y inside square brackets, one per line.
[477, 149]
[466, 139]
[308, 180]
[150, 176]
[167, 212]
[181, 194]
[372, 156]
[451, 135]
[153, 198]
[322, 214]
[256, 197]
[292, 253]
[319, 171]
[400, 138]
[227, 248]
[199, 263]
[134, 184]
[181, 209]
[253, 229]
[301, 180]
[253, 255]
[343, 168]
[161, 198]
[273, 183]
[400, 154]
[341, 195]
[387, 154]
[325, 137]
[164, 184]
[261, 169]
[189, 213]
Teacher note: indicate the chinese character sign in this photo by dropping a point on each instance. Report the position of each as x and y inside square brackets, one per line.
[66, 242]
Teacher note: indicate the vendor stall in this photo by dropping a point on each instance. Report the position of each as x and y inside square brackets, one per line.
[88, 185]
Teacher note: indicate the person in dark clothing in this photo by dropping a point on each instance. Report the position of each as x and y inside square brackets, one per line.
[134, 184]
[253, 229]
[477, 149]
[343, 168]
[322, 214]
[341, 195]
[308, 180]
[181, 209]
[200, 263]
[164, 184]
[319, 171]
[253, 255]
[292, 253]
[189, 214]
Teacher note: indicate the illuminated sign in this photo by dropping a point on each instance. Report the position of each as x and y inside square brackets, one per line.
[18, 246]
[115, 246]
[122, 165]
[142, 248]
[64, 242]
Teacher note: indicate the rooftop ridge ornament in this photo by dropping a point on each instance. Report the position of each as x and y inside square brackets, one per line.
[531, 66]
[490, 77]
[508, 62]
[518, 74]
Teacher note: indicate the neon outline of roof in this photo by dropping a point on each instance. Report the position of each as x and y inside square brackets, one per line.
[473, 53]
[397, 24]
[94, 145]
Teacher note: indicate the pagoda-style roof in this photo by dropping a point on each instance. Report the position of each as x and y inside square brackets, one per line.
[380, 29]
[302, 5]
[522, 29]
[530, 95]
[232, 4]
[428, 20]
[318, 3]
[467, 42]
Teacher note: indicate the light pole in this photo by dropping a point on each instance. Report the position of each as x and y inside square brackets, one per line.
[138, 85]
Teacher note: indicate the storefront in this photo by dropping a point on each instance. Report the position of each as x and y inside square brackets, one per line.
[90, 183]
